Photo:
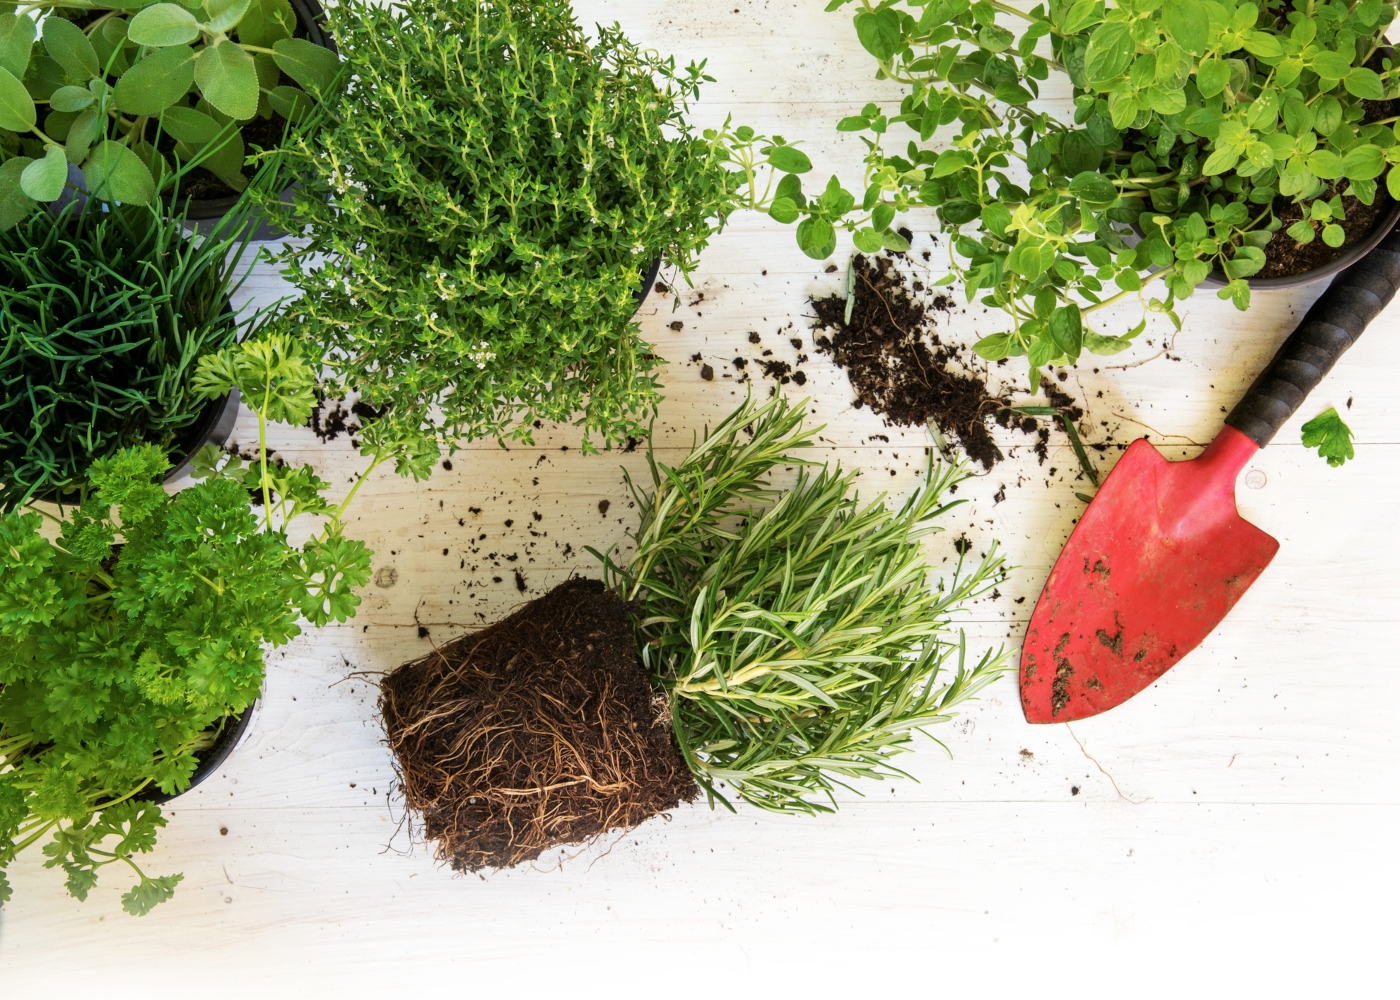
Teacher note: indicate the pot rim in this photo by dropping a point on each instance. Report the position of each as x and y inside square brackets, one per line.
[1378, 232]
[311, 15]
[223, 746]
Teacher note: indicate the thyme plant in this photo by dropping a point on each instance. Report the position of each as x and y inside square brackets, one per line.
[105, 315]
[140, 94]
[798, 634]
[483, 202]
[129, 640]
[1206, 125]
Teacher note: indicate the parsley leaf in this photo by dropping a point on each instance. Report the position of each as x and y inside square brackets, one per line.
[1330, 435]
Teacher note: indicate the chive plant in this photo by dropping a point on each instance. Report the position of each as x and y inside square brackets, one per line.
[105, 312]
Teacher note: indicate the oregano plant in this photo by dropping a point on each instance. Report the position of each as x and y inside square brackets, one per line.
[140, 94]
[134, 632]
[1204, 136]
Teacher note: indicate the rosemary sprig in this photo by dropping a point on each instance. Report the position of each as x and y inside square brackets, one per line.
[795, 630]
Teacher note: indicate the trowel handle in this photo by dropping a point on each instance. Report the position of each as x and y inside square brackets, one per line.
[1333, 324]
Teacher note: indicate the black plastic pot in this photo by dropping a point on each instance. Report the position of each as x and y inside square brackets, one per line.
[311, 17]
[1327, 271]
[214, 426]
[211, 759]
[648, 282]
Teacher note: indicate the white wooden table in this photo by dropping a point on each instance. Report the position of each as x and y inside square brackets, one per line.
[1233, 826]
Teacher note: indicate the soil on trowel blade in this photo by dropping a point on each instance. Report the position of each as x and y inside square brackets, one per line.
[538, 731]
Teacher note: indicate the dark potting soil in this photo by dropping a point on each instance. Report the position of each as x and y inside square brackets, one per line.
[900, 369]
[1285, 257]
[538, 731]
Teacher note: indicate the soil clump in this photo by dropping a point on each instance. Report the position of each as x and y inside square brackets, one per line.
[900, 369]
[538, 731]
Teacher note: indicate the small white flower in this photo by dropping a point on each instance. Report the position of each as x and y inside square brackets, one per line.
[609, 141]
[558, 135]
[638, 248]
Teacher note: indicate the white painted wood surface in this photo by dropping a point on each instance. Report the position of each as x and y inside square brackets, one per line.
[1233, 827]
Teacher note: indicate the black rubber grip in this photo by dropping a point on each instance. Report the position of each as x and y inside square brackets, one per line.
[1332, 325]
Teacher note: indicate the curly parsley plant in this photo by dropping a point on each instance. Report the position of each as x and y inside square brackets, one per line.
[131, 638]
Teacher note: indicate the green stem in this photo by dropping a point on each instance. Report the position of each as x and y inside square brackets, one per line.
[1132, 291]
[378, 460]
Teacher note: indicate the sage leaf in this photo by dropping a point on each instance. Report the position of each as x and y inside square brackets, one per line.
[17, 34]
[70, 98]
[17, 111]
[15, 205]
[310, 65]
[163, 24]
[157, 82]
[70, 48]
[293, 104]
[81, 135]
[43, 179]
[225, 14]
[188, 125]
[115, 173]
[228, 79]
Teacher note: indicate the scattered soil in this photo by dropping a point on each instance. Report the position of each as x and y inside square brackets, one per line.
[901, 370]
[538, 731]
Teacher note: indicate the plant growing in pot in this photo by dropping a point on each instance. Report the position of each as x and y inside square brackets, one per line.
[1242, 138]
[485, 200]
[107, 312]
[147, 99]
[132, 640]
[769, 641]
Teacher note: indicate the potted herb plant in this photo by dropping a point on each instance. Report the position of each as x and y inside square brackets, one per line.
[484, 202]
[1252, 140]
[107, 312]
[769, 641]
[133, 642]
[148, 98]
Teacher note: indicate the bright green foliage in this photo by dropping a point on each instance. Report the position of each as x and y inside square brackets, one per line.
[490, 190]
[1329, 434]
[1191, 117]
[120, 657]
[797, 632]
[143, 93]
[105, 315]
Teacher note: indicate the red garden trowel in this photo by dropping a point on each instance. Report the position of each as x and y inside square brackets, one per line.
[1161, 555]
